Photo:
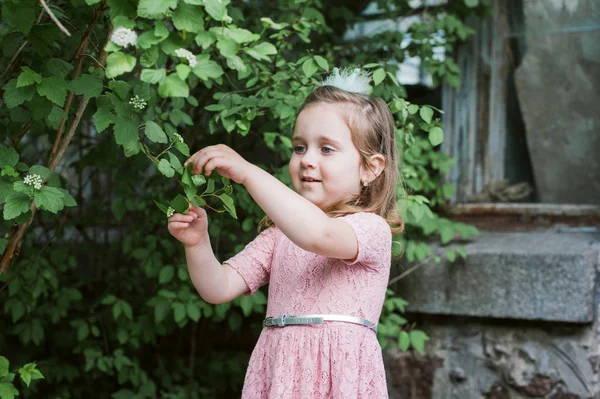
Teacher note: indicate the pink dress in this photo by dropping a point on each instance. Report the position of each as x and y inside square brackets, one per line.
[331, 360]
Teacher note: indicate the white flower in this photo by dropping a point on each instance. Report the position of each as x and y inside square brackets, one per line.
[178, 137]
[170, 212]
[138, 102]
[33, 180]
[124, 37]
[183, 53]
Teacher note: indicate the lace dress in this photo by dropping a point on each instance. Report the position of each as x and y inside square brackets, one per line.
[331, 360]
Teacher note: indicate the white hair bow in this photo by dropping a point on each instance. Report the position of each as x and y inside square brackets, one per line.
[354, 81]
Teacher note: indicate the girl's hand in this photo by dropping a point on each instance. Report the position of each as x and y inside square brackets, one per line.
[221, 158]
[190, 229]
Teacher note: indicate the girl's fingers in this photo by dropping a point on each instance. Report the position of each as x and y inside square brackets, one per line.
[178, 225]
[179, 217]
[196, 210]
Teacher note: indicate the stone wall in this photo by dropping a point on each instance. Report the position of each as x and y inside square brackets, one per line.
[518, 319]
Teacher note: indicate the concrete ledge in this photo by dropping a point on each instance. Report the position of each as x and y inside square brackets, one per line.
[519, 275]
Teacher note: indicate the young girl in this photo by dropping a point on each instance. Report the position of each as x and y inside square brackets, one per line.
[326, 255]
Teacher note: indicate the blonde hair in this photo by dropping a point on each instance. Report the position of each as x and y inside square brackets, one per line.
[372, 127]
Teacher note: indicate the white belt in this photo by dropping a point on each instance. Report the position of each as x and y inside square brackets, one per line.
[285, 320]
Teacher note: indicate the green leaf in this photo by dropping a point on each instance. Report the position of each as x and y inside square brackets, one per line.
[173, 86]
[216, 8]
[179, 312]
[16, 204]
[8, 156]
[228, 203]
[193, 311]
[155, 8]
[68, 199]
[309, 67]
[417, 339]
[123, 21]
[57, 67]
[177, 116]
[109, 299]
[262, 51]
[378, 76]
[175, 162]
[83, 331]
[126, 130]
[127, 310]
[87, 85]
[161, 310]
[39, 107]
[4, 363]
[7, 390]
[246, 304]
[183, 148]
[227, 47]
[120, 87]
[183, 71]
[413, 108]
[426, 113]
[149, 57]
[54, 89]
[451, 255]
[446, 234]
[92, 2]
[436, 136]
[155, 133]
[205, 39]
[55, 117]
[146, 40]
[189, 18]
[103, 118]
[198, 180]
[15, 96]
[322, 62]
[165, 168]
[119, 63]
[20, 16]
[166, 274]
[43, 171]
[207, 69]
[403, 340]
[471, 3]
[160, 30]
[241, 35]
[236, 63]
[48, 198]
[180, 204]
[153, 75]
[28, 77]
[268, 23]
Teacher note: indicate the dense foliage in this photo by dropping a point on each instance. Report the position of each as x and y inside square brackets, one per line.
[94, 132]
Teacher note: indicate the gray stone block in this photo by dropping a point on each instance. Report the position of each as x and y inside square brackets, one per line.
[519, 275]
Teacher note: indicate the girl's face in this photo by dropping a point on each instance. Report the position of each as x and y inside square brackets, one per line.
[325, 167]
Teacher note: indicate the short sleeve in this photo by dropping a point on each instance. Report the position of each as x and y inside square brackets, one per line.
[374, 238]
[253, 263]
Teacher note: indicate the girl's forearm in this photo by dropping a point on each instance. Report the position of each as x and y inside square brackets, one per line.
[208, 275]
[299, 219]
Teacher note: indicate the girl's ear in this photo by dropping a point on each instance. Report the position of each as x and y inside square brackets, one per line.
[375, 165]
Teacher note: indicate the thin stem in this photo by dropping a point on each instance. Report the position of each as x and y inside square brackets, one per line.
[22, 133]
[53, 17]
[97, 62]
[409, 271]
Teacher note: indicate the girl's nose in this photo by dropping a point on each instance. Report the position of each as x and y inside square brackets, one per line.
[308, 160]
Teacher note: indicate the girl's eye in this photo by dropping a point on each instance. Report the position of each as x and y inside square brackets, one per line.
[299, 149]
[327, 150]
